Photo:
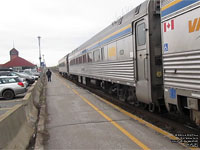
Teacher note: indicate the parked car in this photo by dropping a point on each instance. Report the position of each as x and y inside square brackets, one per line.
[33, 71]
[30, 79]
[5, 69]
[11, 86]
[29, 72]
[4, 73]
[25, 77]
[10, 73]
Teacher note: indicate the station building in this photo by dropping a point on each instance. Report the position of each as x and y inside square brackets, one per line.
[17, 63]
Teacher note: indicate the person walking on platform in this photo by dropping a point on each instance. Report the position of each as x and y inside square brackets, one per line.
[48, 73]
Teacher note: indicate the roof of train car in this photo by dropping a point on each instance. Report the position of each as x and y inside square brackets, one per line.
[62, 59]
[126, 20]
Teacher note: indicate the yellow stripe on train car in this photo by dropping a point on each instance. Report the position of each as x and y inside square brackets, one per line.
[171, 4]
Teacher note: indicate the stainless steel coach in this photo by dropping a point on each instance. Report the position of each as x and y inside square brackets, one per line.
[63, 66]
[150, 56]
[125, 56]
[181, 56]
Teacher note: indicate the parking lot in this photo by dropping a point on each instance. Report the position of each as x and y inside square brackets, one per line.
[6, 105]
[16, 81]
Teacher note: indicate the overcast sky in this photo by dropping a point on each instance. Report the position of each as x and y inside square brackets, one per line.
[62, 24]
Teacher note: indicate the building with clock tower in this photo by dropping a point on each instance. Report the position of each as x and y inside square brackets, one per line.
[16, 62]
[13, 53]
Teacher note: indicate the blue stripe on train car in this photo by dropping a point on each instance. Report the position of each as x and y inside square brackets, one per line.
[110, 39]
[178, 6]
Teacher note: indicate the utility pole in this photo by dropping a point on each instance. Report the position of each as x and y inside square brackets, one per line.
[39, 50]
[43, 59]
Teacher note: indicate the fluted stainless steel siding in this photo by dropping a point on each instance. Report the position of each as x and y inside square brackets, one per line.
[182, 70]
[116, 71]
[165, 2]
[62, 69]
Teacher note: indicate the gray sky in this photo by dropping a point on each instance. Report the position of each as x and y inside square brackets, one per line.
[62, 24]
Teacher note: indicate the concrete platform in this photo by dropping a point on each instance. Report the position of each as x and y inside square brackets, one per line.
[79, 120]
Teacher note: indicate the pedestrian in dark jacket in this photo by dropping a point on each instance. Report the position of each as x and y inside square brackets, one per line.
[48, 73]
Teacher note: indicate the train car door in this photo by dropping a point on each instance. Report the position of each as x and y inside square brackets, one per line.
[142, 59]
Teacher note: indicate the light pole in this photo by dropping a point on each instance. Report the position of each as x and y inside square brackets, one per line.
[39, 50]
[43, 59]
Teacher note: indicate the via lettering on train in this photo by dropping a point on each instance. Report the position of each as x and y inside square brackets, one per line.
[194, 25]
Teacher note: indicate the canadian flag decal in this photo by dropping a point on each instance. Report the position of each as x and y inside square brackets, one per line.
[169, 25]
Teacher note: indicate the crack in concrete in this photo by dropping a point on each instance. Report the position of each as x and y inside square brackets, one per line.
[86, 123]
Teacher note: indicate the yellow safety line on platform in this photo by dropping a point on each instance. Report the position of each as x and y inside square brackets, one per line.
[135, 140]
[159, 130]
[130, 136]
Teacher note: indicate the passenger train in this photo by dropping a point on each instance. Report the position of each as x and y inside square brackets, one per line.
[150, 56]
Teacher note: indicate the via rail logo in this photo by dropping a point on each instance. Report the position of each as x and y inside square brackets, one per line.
[194, 25]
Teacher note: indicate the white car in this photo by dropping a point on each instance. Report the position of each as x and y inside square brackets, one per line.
[11, 86]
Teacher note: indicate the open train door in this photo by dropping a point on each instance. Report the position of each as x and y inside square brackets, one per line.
[142, 61]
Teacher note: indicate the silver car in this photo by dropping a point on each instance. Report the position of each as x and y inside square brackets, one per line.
[31, 74]
[28, 78]
[11, 86]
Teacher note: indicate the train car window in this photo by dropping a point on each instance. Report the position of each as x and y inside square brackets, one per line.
[77, 61]
[62, 64]
[105, 52]
[96, 55]
[80, 60]
[102, 54]
[70, 62]
[141, 34]
[84, 58]
[89, 57]
[112, 51]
